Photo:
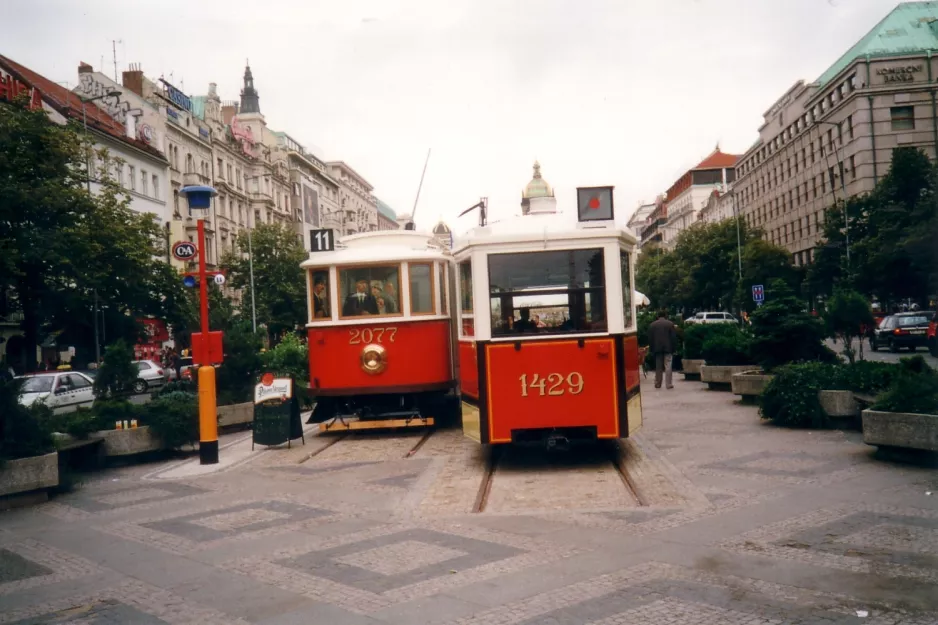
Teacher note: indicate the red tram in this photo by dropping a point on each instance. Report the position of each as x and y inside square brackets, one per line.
[547, 342]
[380, 334]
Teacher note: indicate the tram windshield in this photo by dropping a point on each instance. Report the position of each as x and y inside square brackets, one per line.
[370, 290]
[552, 292]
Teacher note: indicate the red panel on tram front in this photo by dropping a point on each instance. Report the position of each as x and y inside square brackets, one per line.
[552, 384]
[417, 353]
[469, 369]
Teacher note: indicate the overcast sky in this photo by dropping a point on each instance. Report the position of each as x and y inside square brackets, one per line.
[603, 92]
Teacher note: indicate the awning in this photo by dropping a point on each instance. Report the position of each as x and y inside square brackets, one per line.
[641, 299]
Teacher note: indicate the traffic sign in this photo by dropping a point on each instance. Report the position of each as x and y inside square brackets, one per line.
[321, 240]
[184, 250]
[189, 281]
[219, 279]
[758, 293]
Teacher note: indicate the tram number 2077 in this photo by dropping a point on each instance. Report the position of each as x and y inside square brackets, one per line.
[371, 335]
[552, 384]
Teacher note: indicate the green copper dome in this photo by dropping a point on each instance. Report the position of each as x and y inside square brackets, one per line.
[538, 187]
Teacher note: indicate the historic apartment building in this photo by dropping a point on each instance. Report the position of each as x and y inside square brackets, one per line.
[358, 208]
[835, 136]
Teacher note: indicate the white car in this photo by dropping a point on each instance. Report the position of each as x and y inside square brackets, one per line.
[62, 391]
[149, 375]
[712, 317]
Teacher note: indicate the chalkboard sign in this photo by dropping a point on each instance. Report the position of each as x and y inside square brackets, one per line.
[276, 412]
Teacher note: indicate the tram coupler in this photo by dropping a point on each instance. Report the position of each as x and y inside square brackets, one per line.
[557, 442]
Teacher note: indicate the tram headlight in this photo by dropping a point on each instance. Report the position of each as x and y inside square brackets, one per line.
[374, 359]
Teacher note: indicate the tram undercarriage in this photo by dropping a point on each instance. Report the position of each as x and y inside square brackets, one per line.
[362, 412]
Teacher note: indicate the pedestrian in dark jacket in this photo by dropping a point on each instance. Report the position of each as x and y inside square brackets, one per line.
[662, 341]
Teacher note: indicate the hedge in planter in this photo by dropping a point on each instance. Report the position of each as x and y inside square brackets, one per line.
[783, 333]
[914, 389]
[24, 432]
[174, 418]
[725, 345]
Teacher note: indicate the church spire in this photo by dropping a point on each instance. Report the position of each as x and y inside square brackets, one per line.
[250, 101]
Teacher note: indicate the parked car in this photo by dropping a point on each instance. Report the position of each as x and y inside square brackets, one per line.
[149, 375]
[185, 368]
[930, 339]
[712, 317]
[62, 391]
[902, 330]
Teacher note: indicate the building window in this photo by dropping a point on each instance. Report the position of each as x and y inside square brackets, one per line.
[133, 177]
[903, 117]
[238, 177]
[853, 167]
[156, 186]
[143, 182]
[221, 169]
[229, 171]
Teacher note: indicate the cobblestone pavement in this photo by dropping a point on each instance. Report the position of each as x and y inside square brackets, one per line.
[722, 520]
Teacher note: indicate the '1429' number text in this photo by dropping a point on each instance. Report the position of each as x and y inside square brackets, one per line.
[553, 384]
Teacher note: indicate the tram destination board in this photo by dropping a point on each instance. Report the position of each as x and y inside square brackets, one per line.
[276, 412]
[321, 240]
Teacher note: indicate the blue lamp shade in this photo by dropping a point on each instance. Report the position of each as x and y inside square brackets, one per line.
[198, 196]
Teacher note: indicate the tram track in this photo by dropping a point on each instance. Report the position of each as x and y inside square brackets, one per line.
[516, 479]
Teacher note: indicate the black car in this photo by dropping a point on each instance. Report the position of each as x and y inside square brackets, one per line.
[902, 330]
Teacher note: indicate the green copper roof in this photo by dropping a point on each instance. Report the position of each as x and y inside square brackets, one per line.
[386, 210]
[910, 27]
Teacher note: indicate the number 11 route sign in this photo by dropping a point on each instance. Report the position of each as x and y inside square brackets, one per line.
[758, 293]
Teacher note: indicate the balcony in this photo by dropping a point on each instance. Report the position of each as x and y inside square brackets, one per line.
[193, 179]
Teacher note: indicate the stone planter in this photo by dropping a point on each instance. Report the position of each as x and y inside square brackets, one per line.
[692, 369]
[721, 377]
[29, 474]
[838, 404]
[129, 442]
[750, 384]
[900, 429]
[235, 414]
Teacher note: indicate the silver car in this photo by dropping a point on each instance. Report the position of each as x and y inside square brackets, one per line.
[149, 375]
[62, 391]
[712, 317]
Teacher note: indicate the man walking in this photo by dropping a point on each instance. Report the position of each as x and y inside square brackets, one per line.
[662, 340]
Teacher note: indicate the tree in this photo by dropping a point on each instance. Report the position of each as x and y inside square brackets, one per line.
[117, 374]
[62, 246]
[279, 282]
[763, 263]
[847, 314]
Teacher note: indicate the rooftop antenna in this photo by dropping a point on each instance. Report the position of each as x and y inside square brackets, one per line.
[114, 43]
[411, 225]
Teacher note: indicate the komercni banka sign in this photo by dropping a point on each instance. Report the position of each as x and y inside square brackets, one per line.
[276, 389]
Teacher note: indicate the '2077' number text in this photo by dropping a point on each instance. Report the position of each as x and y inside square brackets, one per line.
[552, 384]
[371, 335]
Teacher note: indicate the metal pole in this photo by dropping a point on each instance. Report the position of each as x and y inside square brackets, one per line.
[420, 186]
[97, 342]
[843, 188]
[739, 247]
[251, 265]
[84, 121]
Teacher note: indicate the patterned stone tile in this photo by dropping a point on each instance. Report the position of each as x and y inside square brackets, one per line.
[315, 470]
[212, 526]
[380, 567]
[28, 563]
[662, 594]
[135, 496]
[867, 539]
[404, 481]
[795, 467]
[129, 603]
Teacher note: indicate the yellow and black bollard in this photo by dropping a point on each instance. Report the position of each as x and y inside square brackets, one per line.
[208, 417]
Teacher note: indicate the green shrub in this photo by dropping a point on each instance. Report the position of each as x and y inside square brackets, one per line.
[784, 333]
[108, 412]
[791, 397]
[289, 358]
[118, 373]
[26, 432]
[80, 423]
[696, 334]
[847, 314]
[911, 392]
[728, 345]
[184, 386]
[174, 418]
[234, 379]
[865, 376]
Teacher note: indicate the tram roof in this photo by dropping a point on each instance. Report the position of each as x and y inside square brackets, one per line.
[380, 246]
[539, 227]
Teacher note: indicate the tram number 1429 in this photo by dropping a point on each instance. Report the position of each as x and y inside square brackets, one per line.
[552, 384]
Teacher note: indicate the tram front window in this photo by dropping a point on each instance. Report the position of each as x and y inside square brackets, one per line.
[370, 290]
[320, 296]
[554, 292]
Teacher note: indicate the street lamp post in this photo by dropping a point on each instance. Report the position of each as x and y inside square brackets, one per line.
[84, 122]
[206, 346]
[843, 187]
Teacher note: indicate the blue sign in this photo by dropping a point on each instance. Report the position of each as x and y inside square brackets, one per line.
[189, 281]
[758, 293]
[203, 132]
[177, 97]
[172, 113]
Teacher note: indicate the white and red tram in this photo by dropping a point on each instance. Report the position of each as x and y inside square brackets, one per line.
[547, 338]
[380, 334]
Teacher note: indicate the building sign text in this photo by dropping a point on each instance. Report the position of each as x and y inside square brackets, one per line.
[899, 73]
[177, 97]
